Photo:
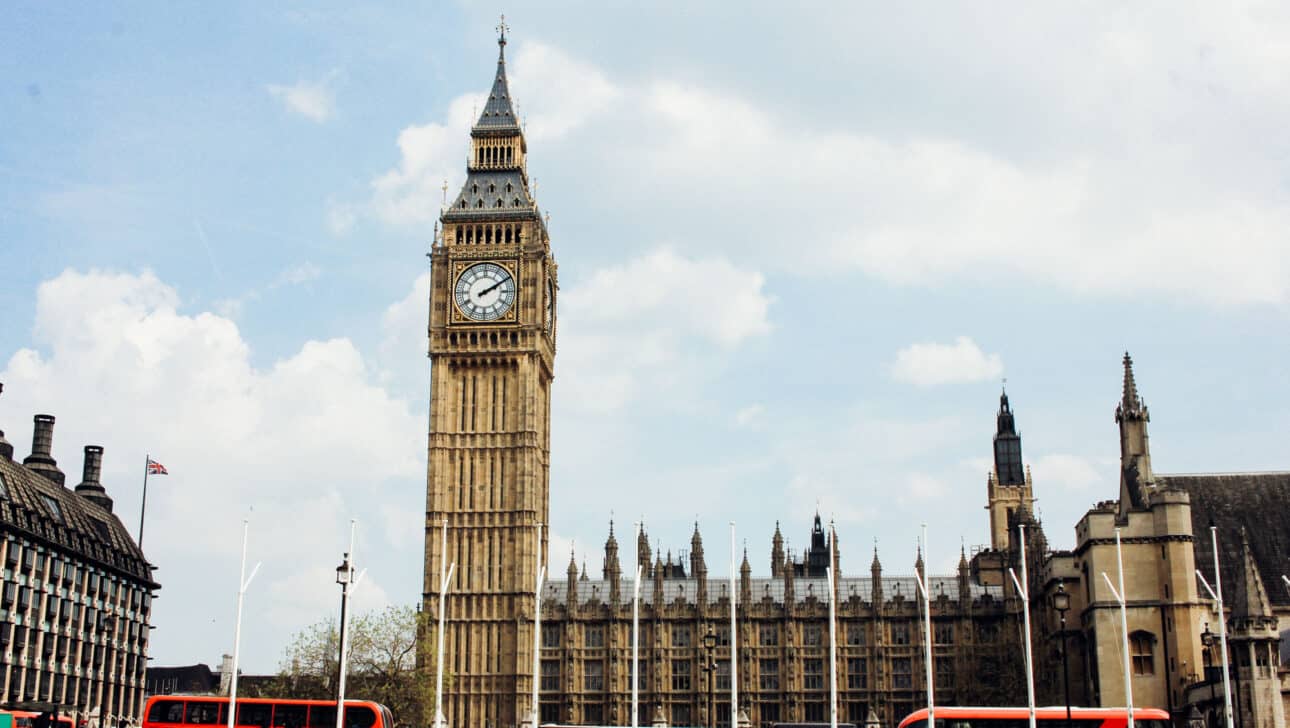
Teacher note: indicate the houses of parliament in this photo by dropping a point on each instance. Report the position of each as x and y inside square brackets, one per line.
[492, 340]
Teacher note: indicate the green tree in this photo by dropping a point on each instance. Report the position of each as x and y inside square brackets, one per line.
[387, 663]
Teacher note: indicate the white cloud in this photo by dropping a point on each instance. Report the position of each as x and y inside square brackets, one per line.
[432, 154]
[314, 100]
[298, 445]
[1070, 472]
[930, 364]
[631, 327]
[297, 274]
[748, 416]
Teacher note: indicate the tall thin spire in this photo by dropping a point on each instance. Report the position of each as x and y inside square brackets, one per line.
[1130, 402]
[499, 109]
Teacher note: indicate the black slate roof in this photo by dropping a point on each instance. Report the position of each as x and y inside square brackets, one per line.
[85, 528]
[490, 193]
[1259, 503]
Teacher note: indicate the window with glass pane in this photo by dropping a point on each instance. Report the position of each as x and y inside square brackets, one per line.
[681, 635]
[900, 634]
[259, 714]
[320, 716]
[815, 712]
[593, 713]
[944, 673]
[768, 635]
[289, 716]
[769, 713]
[642, 674]
[723, 674]
[680, 714]
[594, 636]
[680, 675]
[812, 635]
[855, 634]
[550, 712]
[550, 635]
[1141, 647]
[593, 676]
[902, 673]
[768, 677]
[813, 674]
[858, 713]
[723, 636]
[550, 675]
[857, 673]
[943, 633]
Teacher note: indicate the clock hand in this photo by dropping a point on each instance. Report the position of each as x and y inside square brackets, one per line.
[490, 289]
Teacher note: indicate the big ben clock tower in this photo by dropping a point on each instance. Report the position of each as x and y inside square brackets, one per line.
[492, 350]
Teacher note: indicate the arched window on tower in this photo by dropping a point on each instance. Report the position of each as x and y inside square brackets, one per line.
[499, 202]
[1142, 649]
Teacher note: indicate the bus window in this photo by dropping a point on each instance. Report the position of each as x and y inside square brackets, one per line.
[289, 716]
[322, 716]
[166, 711]
[359, 716]
[203, 712]
[254, 714]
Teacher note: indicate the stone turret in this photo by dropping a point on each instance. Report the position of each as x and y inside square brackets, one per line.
[1254, 642]
[643, 554]
[612, 571]
[776, 552]
[964, 577]
[875, 574]
[572, 575]
[699, 569]
[1135, 448]
[745, 580]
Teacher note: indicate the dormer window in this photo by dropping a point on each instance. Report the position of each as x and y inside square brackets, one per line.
[509, 188]
[4, 487]
[474, 189]
[492, 188]
[52, 504]
[479, 204]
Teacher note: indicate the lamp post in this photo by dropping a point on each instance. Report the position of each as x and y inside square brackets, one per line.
[710, 667]
[1062, 603]
[344, 577]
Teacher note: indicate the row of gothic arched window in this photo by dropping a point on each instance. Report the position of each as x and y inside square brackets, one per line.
[489, 234]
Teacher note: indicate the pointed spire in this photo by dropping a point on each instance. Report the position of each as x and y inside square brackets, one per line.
[1130, 387]
[876, 565]
[1251, 598]
[963, 562]
[573, 567]
[499, 111]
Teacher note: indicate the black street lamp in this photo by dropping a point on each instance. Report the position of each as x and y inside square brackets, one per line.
[1062, 603]
[344, 577]
[710, 667]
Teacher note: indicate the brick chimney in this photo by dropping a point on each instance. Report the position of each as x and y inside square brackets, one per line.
[41, 460]
[90, 488]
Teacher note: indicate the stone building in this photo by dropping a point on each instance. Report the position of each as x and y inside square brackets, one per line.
[492, 347]
[492, 343]
[77, 593]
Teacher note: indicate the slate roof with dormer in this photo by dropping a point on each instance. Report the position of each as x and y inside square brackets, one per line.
[499, 111]
[80, 527]
[1255, 502]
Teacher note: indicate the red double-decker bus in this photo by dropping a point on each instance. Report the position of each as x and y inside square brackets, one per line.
[185, 711]
[1047, 717]
[27, 719]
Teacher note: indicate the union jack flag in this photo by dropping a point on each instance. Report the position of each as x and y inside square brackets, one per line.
[156, 468]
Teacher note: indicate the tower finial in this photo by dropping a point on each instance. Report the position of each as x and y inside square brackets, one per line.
[502, 27]
[1130, 401]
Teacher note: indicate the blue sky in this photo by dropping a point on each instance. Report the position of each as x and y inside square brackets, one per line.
[798, 250]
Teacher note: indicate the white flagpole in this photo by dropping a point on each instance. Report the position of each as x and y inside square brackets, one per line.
[537, 624]
[832, 635]
[242, 583]
[734, 637]
[924, 584]
[445, 573]
[1124, 626]
[1222, 625]
[1024, 591]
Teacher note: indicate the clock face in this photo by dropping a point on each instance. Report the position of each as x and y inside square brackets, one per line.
[550, 305]
[485, 292]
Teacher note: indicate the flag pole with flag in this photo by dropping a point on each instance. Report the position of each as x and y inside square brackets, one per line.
[151, 467]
